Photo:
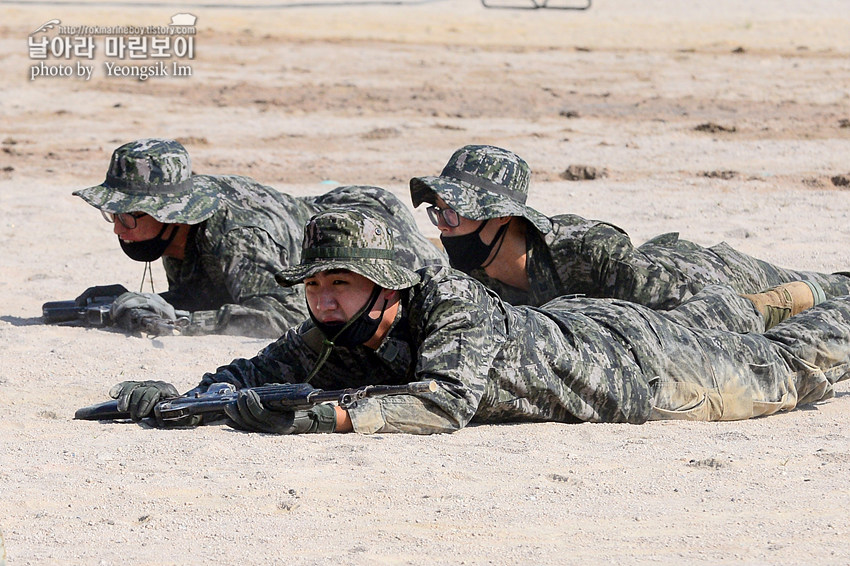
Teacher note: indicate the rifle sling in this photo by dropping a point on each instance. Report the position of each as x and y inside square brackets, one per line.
[314, 338]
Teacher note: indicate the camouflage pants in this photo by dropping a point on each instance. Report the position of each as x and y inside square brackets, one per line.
[749, 375]
[718, 307]
[709, 374]
[701, 266]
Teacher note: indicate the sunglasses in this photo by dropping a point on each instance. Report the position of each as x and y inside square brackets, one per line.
[126, 219]
[450, 216]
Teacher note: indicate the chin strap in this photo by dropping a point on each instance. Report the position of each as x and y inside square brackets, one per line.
[328, 345]
[148, 269]
[149, 272]
[498, 240]
[327, 348]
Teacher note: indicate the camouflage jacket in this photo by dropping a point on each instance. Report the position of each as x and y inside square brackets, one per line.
[572, 360]
[597, 259]
[226, 279]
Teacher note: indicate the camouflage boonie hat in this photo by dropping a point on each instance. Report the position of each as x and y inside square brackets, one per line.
[346, 239]
[481, 182]
[154, 176]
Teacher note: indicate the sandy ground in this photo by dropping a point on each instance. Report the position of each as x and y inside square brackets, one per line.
[300, 98]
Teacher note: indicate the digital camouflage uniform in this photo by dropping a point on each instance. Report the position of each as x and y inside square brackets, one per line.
[596, 259]
[569, 255]
[242, 234]
[230, 265]
[571, 360]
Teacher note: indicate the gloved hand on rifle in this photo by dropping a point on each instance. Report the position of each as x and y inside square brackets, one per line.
[140, 397]
[144, 311]
[248, 413]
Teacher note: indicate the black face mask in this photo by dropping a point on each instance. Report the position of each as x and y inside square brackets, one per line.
[357, 330]
[148, 250]
[468, 252]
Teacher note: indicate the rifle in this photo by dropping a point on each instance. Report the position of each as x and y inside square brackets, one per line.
[276, 397]
[94, 307]
[91, 309]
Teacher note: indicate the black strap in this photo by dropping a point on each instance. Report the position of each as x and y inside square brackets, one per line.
[487, 185]
[148, 189]
[346, 253]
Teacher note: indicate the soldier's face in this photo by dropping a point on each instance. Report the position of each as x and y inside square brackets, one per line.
[468, 226]
[337, 295]
[465, 226]
[147, 227]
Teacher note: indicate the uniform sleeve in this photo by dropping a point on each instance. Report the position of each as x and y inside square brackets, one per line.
[248, 259]
[458, 330]
[279, 362]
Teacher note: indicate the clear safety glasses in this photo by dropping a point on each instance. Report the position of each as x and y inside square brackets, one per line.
[127, 219]
[450, 216]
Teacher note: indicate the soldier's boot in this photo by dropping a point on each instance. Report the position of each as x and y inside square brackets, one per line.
[778, 303]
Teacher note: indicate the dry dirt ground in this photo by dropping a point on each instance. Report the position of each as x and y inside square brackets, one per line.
[721, 120]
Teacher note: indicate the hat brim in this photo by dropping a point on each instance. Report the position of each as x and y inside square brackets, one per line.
[473, 202]
[385, 273]
[189, 207]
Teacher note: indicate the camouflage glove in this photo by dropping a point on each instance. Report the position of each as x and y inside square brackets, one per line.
[144, 311]
[140, 397]
[248, 413]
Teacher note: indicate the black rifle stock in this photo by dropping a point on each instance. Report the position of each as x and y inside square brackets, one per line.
[106, 411]
[93, 314]
[277, 397]
[91, 308]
